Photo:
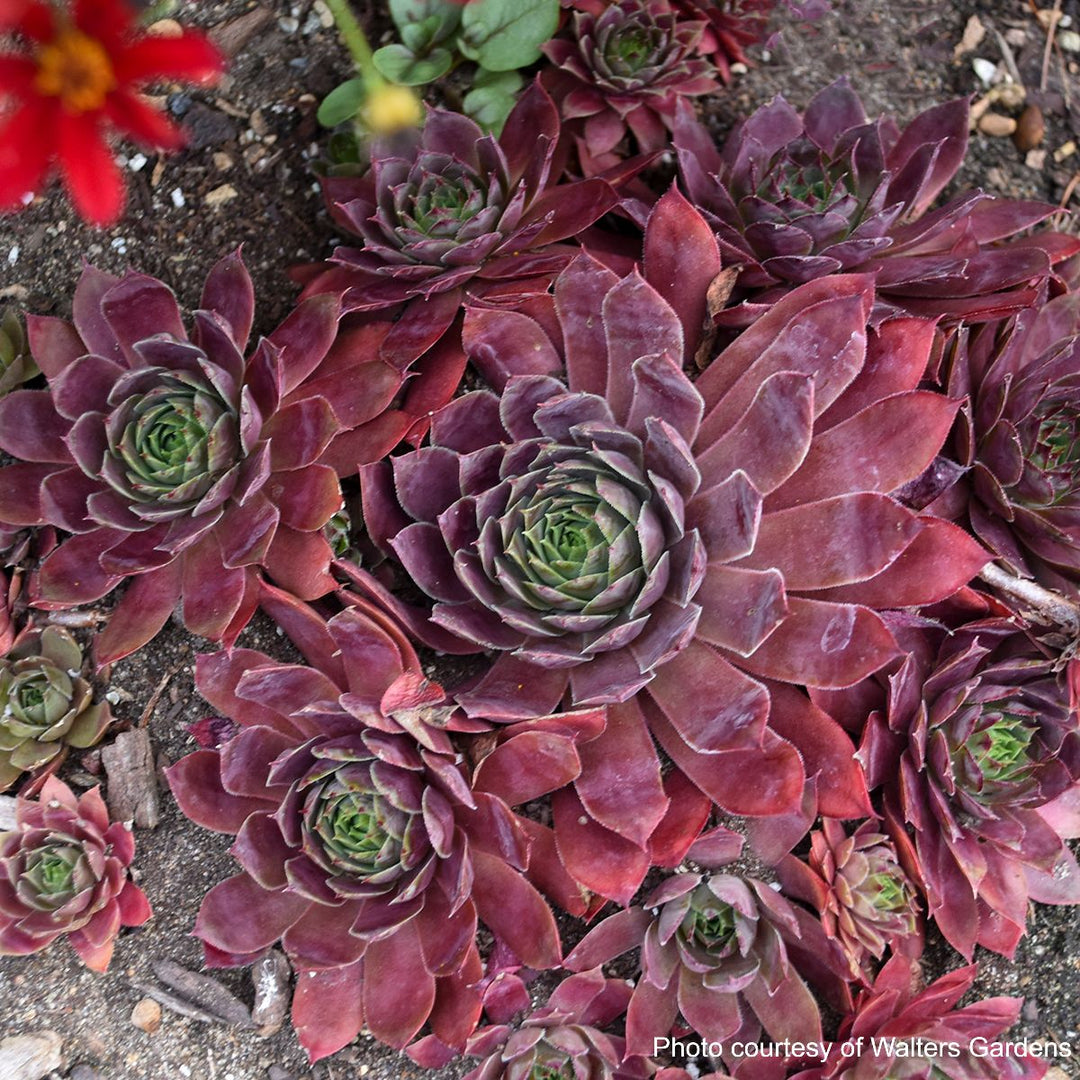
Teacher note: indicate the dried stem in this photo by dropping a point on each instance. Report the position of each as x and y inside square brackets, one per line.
[356, 41]
[1050, 607]
[1055, 15]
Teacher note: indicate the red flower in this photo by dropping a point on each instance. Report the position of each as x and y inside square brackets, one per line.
[75, 79]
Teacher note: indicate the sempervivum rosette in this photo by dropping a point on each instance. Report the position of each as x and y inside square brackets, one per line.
[64, 872]
[362, 846]
[174, 458]
[902, 1031]
[684, 549]
[793, 197]
[974, 739]
[563, 1039]
[732, 26]
[625, 65]
[713, 952]
[1019, 439]
[448, 207]
[16, 364]
[48, 706]
[866, 901]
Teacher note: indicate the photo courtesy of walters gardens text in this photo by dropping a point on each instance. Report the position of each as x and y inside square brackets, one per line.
[692, 1046]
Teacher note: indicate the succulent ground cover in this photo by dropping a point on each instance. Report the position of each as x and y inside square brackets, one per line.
[692, 653]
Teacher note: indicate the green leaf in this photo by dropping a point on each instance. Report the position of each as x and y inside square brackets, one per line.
[492, 97]
[502, 35]
[342, 103]
[396, 63]
[439, 19]
[344, 148]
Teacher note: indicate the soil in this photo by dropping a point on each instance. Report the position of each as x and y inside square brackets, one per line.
[246, 180]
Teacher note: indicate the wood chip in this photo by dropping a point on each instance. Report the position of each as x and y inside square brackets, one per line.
[220, 196]
[203, 993]
[232, 36]
[168, 28]
[30, 1056]
[974, 32]
[133, 790]
[146, 1015]
[270, 976]
[996, 125]
[716, 296]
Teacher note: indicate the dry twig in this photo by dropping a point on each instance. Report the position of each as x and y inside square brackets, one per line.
[1051, 30]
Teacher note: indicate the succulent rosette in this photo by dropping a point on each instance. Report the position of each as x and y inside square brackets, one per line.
[732, 26]
[866, 901]
[363, 848]
[974, 738]
[901, 1032]
[173, 460]
[564, 1038]
[629, 537]
[47, 704]
[449, 208]
[64, 872]
[16, 364]
[624, 66]
[713, 952]
[1018, 439]
[794, 197]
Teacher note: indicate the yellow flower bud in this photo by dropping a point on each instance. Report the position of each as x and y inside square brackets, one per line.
[389, 108]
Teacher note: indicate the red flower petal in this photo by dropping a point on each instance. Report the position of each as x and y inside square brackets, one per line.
[146, 125]
[16, 72]
[29, 17]
[25, 151]
[90, 174]
[190, 57]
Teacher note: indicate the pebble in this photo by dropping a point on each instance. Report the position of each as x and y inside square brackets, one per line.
[177, 197]
[30, 1056]
[986, 70]
[220, 196]
[168, 28]
[146, 1015]
[1030, 129]
[1069, 40]
[996, 125]
[288, 24]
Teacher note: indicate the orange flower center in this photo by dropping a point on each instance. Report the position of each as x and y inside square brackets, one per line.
[76, 69]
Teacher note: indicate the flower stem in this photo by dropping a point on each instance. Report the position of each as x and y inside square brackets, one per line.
[355, 41]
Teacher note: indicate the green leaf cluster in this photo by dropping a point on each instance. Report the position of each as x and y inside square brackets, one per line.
[499, 36]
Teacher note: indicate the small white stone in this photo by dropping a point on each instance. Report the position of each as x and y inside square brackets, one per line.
[13, 255]
[985, 70]
[137, 162]
[177, 197]
[288, 24]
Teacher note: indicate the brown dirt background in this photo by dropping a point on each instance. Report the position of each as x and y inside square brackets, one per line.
[257, 134]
